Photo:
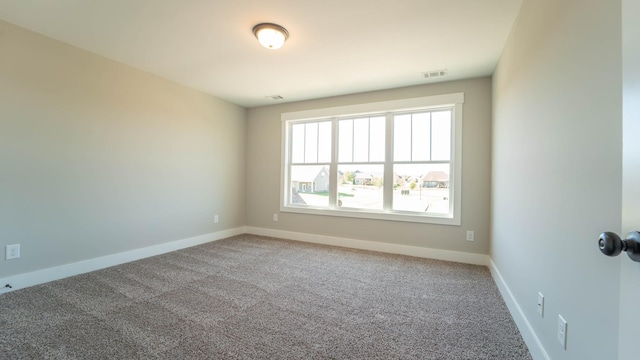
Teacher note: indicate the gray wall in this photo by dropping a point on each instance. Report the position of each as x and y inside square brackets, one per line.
[98, 158]
[557, 170]
[263, 174]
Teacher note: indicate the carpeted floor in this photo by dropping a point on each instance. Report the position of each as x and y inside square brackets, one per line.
[251, 297]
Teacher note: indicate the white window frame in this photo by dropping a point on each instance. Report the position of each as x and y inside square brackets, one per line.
[454, 101]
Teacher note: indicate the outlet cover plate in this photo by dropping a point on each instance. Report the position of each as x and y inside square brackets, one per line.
[470, 235]
[12, 252]
[562, 332]
[541, 304]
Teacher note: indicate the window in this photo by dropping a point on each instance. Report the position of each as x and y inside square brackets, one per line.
[394, 160]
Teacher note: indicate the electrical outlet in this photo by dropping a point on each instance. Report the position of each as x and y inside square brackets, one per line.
[12, 252]
[215, 219]
[562, 332]
[541, 304]
[275, 217]
[470, 235]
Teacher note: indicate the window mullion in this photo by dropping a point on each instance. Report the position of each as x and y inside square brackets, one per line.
[290, 165]
[387, 192]
[431, 135]
[333, 168]
[304, 144]
[317, 142]
[289, 129]
[453, 161]
[369, 139]
[411, 138]
[353, 138]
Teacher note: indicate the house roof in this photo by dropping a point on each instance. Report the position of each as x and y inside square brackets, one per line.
[364, 176]
[306, 173]
[436, 176]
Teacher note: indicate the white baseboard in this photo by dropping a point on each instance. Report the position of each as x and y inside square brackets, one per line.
[528, 334]
[456, 256]
[59, 272]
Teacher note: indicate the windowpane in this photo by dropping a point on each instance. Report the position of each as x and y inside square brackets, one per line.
[360, 186]
[309, 185]
[297, 143]
[421, 188]
[441, 138]
[361, 140]
[420, 137]
[311, 143]
[345, 142]
[402, 137]
[324, 142]
[377, 140]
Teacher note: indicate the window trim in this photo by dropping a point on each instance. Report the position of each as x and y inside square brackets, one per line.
[455, 100]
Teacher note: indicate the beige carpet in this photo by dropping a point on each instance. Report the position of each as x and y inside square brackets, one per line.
[250, 297]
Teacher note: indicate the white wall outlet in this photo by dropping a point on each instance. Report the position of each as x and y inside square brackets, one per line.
[12, 251]
[215, 219]
[562, 332]
[470, 236]
[275, 217]
[541, 304]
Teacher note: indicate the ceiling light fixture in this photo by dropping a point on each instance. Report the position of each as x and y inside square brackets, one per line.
[271, 36]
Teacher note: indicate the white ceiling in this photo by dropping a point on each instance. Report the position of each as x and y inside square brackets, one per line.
[335, 46]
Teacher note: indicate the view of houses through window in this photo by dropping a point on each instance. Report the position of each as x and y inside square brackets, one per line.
[422, 189]
[390, 163]
[421, 165]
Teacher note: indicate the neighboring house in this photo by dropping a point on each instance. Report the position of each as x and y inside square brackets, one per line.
[433, 179]
[363, 179]
[398, 179]
[308, 179]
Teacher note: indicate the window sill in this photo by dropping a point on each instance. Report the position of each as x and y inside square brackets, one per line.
[439, 219]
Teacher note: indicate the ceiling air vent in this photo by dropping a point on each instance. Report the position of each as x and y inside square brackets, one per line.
[274, 97]
[435, 73]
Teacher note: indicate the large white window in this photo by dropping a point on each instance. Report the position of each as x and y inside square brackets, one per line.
[393, 160]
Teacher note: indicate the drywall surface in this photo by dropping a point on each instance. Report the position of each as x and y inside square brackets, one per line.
[98, 158]
[264, 166]
[556, 175]
[630, 271]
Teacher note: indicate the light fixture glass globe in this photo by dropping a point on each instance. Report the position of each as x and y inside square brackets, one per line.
[271, 36]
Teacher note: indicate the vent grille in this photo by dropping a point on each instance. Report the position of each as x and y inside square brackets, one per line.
[434, 73]
[274, 97]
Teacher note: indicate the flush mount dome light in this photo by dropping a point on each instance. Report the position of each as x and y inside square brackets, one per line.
[271, 36]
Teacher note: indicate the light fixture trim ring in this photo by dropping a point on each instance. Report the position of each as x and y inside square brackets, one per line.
[270, 26]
